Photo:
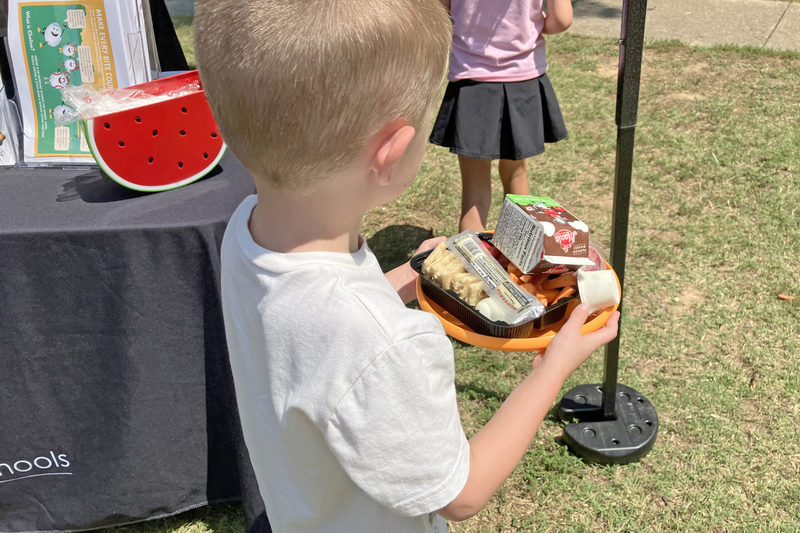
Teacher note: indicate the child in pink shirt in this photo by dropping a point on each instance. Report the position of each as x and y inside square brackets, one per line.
[499, 103]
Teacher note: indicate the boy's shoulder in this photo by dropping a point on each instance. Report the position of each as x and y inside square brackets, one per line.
[348, 292]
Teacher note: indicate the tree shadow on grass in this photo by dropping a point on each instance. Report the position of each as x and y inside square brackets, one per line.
[394, 245]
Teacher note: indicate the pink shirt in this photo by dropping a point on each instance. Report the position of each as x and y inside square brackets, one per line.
[497, 40]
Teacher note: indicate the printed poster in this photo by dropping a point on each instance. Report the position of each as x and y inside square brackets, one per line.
[70, 43]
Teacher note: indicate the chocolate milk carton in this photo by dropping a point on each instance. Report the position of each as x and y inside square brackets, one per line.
[539, 236]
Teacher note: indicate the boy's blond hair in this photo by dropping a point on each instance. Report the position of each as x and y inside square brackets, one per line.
[297, 86]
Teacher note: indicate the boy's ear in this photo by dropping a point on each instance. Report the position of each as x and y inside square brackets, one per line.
[391, 142]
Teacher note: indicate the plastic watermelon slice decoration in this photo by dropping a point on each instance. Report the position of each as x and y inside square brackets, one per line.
[162, 145]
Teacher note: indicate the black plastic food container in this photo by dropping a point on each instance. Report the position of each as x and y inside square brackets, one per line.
[476, 321]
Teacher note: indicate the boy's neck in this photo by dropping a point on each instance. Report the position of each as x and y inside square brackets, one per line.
[327, 220]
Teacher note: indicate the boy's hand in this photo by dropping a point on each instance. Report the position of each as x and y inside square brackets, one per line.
[569, 349]
[429, 244]
[404, 279]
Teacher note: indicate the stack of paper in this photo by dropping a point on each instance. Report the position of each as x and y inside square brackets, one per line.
[55, 44]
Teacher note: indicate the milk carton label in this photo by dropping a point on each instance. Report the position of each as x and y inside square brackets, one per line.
[538, 235]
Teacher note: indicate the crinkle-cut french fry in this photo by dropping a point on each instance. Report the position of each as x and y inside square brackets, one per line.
[566, 292]
[538, 280]
[549, 294]
[564, 280]
[514, 270]
[530, 287]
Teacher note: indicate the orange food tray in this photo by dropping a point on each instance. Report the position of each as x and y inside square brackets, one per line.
[536, 341]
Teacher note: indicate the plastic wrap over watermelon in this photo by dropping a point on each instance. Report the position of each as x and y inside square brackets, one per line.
[167, 142]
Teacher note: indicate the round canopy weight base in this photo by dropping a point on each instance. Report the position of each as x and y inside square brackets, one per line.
[624, 439]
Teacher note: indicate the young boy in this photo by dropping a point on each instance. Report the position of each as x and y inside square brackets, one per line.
[346, 396]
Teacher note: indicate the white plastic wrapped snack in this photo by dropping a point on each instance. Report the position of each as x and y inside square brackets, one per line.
[490, 309]
[82, 102]
[598, 288]
[514, 304]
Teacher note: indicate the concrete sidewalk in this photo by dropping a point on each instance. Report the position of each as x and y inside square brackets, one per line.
[762, 23]
[771, 24]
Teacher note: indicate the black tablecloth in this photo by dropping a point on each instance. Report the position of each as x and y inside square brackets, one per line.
[116, 403]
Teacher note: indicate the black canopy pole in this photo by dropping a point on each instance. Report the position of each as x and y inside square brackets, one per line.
[630, 66]
[615, 423]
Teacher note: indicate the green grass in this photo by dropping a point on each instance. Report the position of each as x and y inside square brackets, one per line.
[714, 237]
[184, 28]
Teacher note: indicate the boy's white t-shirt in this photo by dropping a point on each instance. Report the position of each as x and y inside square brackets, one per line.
[346, 397]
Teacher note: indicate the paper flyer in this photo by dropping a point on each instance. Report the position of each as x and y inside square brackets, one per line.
[8, 129]
[55, 44]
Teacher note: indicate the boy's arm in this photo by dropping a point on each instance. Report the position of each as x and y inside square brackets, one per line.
[558, 17]
[404, 279]
[496, 449]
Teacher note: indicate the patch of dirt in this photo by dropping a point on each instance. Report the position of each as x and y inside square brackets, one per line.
[685, 97]
[686, 300]
[608, 70]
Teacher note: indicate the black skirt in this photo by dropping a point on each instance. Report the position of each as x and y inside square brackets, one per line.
[499, 120]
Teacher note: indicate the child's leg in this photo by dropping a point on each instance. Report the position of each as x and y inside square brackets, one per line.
[476, 192]
[514, 175]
